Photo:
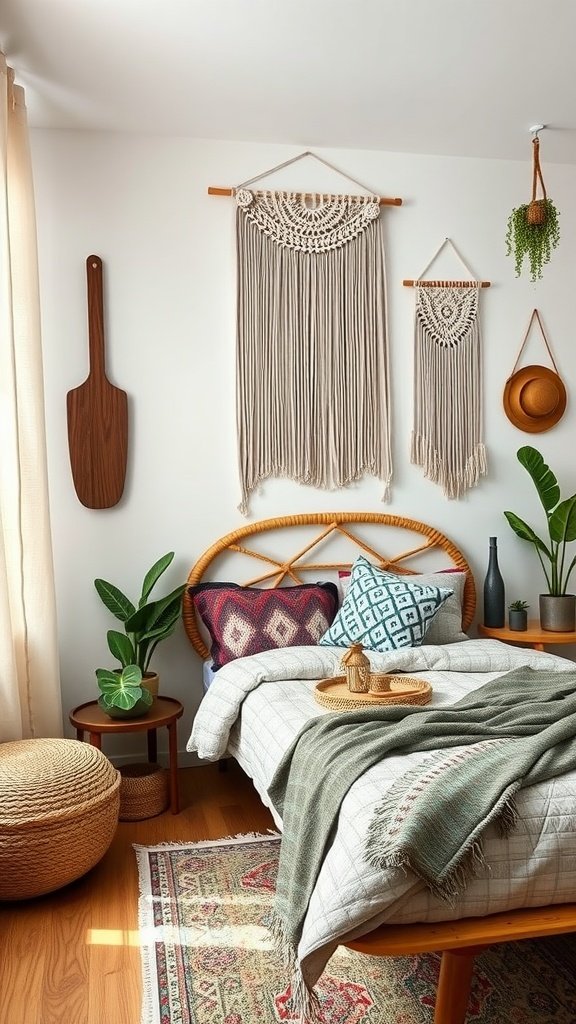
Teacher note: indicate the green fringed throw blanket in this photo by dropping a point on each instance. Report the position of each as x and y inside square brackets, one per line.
[519, 729]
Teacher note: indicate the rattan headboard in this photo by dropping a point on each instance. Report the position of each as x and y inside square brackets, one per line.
[295, 568]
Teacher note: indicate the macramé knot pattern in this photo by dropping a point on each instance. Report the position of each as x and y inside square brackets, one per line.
[447, 313]
[328, 222]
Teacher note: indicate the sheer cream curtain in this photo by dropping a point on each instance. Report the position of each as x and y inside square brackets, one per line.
[30, 703]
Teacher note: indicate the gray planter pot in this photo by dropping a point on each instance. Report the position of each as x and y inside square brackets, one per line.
[517, 619]
[558, 614]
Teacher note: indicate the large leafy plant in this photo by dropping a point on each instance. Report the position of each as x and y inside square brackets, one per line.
[560, 520]
[146, 623]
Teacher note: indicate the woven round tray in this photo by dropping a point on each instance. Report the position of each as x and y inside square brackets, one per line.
[334, 693]
[143, 791]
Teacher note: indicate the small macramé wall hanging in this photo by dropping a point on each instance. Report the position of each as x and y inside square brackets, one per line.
[447, 435]
[312, 385]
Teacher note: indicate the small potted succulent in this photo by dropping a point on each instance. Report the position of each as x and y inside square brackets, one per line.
[518, 615]
[145, 625]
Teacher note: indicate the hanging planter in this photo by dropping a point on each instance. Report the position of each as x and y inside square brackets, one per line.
[533, 229]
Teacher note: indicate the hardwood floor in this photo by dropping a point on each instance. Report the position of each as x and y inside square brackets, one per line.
[72, 957]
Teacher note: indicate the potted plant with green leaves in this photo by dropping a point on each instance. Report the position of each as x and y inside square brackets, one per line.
[146, 623]
[518, 615]
[533, 229]
[122, 694]
[557, 606]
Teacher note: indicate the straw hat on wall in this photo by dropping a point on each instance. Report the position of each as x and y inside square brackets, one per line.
[534, 399]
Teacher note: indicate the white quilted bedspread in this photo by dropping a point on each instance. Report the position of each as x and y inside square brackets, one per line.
[255, 707]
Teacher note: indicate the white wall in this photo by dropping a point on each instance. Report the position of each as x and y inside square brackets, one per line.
[141, 203]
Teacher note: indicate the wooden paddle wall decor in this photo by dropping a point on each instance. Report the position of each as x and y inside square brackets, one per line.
[97, 414]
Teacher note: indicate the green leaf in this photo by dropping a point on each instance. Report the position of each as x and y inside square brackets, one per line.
[526, 532]
[127, 697]
[132, 675]
[106, 678]
[569, 573]
[163, 631]
[562, 522]
[153, 575]
[164, 623]
[544, 480]
[115, 601]
[113, 683]
[121, 647]
[107, 701]
[152, 615]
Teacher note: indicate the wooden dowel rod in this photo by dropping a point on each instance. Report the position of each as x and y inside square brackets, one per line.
[213, 191]
[445, 284]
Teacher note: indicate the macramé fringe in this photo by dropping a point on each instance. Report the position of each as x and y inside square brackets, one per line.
[314, 481]
[454, 483]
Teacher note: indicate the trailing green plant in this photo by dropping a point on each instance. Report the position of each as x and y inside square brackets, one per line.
[518, 606]
[560, 520]
[122, 691]
[534, 241]
[146, 623]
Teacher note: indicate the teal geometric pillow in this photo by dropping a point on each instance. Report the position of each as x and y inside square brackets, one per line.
[382, 611]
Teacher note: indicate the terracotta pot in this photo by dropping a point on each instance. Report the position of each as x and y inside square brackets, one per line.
[536, 212]
[151, 681]
[558, 613]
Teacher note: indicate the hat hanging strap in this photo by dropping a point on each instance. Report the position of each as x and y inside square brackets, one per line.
[536, 314]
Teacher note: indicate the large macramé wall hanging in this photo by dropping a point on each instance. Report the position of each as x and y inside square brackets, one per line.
[447, 436]
[312, 353]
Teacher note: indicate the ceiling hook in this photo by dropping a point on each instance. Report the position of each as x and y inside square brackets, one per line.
[535, 129]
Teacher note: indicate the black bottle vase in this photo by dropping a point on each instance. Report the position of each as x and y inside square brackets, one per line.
[494, 613]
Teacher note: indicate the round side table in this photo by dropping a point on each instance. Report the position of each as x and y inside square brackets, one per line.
[534, 636]
[89, 718]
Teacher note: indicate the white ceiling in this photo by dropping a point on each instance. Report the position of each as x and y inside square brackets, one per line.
[454, 77]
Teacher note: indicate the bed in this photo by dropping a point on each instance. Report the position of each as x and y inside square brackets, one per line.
[257, 703]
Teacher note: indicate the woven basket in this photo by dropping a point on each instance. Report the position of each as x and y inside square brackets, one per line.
[143, 791]
[537, 212]
[334, 693]
[59, 803]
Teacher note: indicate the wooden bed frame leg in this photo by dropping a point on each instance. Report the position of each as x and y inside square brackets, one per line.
[454, 983]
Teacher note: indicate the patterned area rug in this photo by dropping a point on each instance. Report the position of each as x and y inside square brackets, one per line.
[207, 956]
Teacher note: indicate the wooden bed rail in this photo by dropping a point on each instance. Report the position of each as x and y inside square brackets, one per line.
[459, 942]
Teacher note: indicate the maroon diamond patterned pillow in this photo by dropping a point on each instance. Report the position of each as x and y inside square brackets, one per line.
[246, 620]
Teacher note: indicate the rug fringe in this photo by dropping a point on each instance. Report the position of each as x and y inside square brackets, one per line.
[240, 837]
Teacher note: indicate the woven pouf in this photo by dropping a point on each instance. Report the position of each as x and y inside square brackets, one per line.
[143, 791]
[59, 803]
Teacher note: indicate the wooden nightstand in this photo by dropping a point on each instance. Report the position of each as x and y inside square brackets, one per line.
[534, 636]
[165, 711]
